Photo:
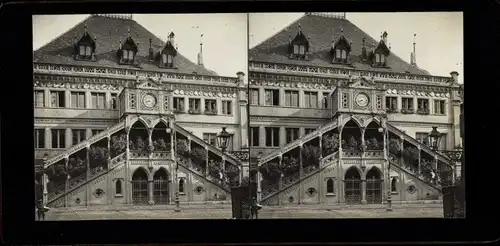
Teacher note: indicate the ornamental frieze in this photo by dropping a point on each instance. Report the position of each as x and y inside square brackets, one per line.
[329, 71]
[300, 85]
[86, 86]
[205, 93]
[202, 125]
[75, 121]
[288, 119]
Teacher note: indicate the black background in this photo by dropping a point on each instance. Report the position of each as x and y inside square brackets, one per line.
[481, 40]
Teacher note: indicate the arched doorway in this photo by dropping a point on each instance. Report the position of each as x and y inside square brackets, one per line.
[352, 183]
[140, 187]
[160, 191]
[351, 137]
[373, 186]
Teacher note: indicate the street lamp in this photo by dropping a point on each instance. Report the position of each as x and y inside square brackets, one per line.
[223, 142]
[383, 129]
[169, 130]
[435, 137]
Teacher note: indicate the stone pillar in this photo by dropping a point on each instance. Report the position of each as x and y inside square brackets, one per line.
[68, 138]
[108, 103]
[67, 99]
[45, 180]
[282, 136]
[302, 132]
[66, 183]
[109, 181]
[48, 138]
[419, 160]
[282, 97]
[280, 183]
[262, 136]
[87, 163]
[363, 191]
[88, 99]
[186, 105]
[320, 99]
[262, 96]
[301, 174]
[301, 98]
[320, 145]
[127, 181]
[259, 188]
[207, 162]
[46, 98]
[150, 192]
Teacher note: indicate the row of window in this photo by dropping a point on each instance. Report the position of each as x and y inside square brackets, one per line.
[59, 137]
[77, 100]
[211, 138]
[272, 98]
[194, 104]
[272, 135]
[423, 107]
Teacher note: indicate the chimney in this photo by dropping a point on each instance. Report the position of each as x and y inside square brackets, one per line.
[151, 52]
[200, 55]
[172, 38]
[413, 56]
[384, 37]
[363, 50]
[241, 77]
[454, 77]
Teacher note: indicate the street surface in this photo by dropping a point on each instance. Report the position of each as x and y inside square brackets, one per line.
[224, 212]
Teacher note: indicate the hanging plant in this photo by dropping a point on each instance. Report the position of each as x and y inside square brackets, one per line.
[374, 144]
[182, 147]
[215, 168]
[199, 156]
[98, 156]
[290, 165]
[118, 144]
[161, 145]
[353, 145]
[140, 144]
[395, 146]
[57, 173]
[411, 153]
[76, 167]
[273, 171]
[310, 155]
[330, 143]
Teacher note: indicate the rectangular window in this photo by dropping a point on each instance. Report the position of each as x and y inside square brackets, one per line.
[39, 99]
[178, 103]
[292, 134]
[114, 101]
[296, 49]
[407, 104]
[78, 135]
[58, 138]
[82, 50]
[96, 131]
[325, 99]
[78, 99]
[302, 49]
[210, 138]
[211, 106]
[254, 136]
[227, 108]
[440, 107]
[291, 98]
[254, 97]
[272, 136]
[309, 130]
[98, 100]
[272, 97]
[194, 105]
[230, 143]
[423, 106]
[310, 99]
[423, 138]
[391, 104]
[442, 141]
[39, 138]
[57, 99]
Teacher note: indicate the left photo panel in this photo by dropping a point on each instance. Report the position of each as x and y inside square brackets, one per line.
[139, 116]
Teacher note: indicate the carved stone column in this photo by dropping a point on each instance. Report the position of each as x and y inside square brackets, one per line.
[259, 188]
[150, 192]
[45, 180]
[128, 184]
[280, 183]
[68, 138]
[363, 190]
[320, 141]
[66, 183]
[402, 148]
[262, 136]
[109, 181]
[206, 162]
[87, 162]
[419, 168]
[282, 135]
[48, 138]
[301, 174]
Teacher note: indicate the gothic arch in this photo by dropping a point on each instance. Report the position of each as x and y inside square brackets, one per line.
[374, 172]
[354, 119]
[161, 171]
[142, 169]
[140, 119]
[372, 120]
[352, 169]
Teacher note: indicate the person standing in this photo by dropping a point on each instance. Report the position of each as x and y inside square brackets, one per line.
[40, 210]
[254, 208]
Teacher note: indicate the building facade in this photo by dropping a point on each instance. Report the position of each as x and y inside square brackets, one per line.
[336, 117]
[111, 98]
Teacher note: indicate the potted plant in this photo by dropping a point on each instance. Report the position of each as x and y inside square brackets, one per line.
[310, 155]
[118, 144]
[232, 171]
[76, 167]
[199, 157]
[353, 145]
[290, 165]
[57, 173]
[210, 111]
[423, 111]
[214, 168]
[395, 146]
[98, 157]
[194, 111]
[182, 147]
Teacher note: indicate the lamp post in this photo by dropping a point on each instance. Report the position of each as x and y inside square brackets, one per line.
[168, 130]
[435, 137]
[223, 142]
[383, 129]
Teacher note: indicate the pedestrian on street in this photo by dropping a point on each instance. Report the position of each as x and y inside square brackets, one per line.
[254, 208]
[40, 210]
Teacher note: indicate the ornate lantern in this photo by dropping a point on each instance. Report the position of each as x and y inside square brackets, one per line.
[435, 137]
[223, 139]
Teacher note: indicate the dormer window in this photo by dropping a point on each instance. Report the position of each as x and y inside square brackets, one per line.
[340, 51]
[299, 46]
[380, 54]
[128, 51]
[168, 53]
[84, 48]
[168, 60]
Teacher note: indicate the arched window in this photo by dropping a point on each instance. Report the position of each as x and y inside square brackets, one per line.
[302, 50]
[181, 185]
[118, 187]
[393, 185]
[88, 51]
[377, 58]
[82, 50]
[296, 49]
[329, 186]
[337, 54]
[344, 54]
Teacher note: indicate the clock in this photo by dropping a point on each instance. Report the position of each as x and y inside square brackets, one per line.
[149, 100]
[362, 100]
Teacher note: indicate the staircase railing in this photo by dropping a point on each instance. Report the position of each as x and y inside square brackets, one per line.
[325, 128]
[109, 131]
[395, 161]
[209, 147]
[201, 173]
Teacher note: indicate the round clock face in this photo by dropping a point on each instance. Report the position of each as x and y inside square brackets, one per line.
[149, 100]
[362, 100]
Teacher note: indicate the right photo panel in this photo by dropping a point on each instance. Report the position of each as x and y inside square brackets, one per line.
[357, 115]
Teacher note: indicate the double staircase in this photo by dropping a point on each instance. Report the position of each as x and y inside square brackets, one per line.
[56, 196]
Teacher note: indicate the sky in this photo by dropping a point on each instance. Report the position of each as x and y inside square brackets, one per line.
[224, 36]
[439, 40]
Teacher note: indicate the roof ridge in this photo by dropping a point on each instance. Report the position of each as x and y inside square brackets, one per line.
[282, 29]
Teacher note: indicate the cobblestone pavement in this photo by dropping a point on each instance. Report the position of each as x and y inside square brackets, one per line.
[224, 212]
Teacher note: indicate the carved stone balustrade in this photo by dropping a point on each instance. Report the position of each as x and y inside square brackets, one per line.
[350, 154]
[77, 180]
[374, 154]
[243, 156]
[56, 192]
[139, 154]
[161, 155]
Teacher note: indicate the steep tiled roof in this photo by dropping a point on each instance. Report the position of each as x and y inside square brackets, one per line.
[107, 33]
[320, 31]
